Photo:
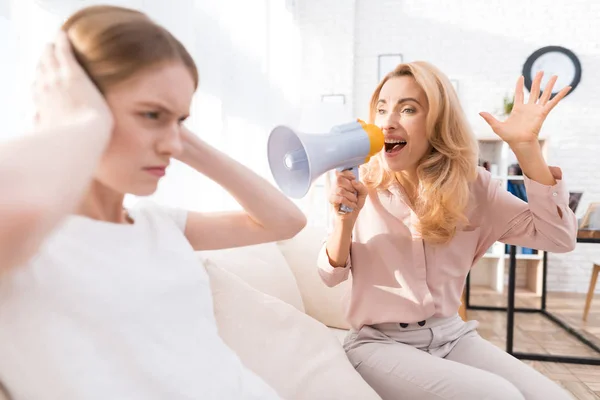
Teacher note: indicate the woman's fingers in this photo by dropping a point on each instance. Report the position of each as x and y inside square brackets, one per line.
[535, 88]
[347, 191]
[342, 193]
[344, 182]
[490, 119]
[347, 174]
[360, 188]
[48, 65]
[548, 90]
[64, 55]
[347, 194]
[559, 96]
[343, 190]
[519, 90]
[338, 201]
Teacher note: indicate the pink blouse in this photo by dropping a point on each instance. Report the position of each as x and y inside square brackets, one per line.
[397, 277]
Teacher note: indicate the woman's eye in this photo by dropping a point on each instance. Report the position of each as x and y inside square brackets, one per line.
[381, 111]
[152, 115]
[408, 110]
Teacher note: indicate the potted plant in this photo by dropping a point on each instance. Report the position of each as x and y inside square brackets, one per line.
[508, 103]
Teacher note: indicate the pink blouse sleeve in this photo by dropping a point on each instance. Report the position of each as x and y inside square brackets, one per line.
[331, 275]
[545, 222]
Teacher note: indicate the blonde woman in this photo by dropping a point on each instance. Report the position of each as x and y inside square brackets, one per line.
[423, 215]
[115, 304]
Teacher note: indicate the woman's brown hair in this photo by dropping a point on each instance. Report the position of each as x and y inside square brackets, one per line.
[114, 43]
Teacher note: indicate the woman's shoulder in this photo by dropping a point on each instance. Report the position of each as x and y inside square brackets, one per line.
[480, 186]
[148, 209]
[480, 189]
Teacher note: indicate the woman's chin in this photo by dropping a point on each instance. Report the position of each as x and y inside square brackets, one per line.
[143, 190]
[395, 165]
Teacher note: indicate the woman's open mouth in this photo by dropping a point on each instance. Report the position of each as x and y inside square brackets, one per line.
[394, 146]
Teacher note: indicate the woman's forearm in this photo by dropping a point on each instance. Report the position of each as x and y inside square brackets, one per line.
[264, 204]
[43, 177]
[339, 243]
[530, 159]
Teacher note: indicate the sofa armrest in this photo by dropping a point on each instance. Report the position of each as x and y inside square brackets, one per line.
[325, 304]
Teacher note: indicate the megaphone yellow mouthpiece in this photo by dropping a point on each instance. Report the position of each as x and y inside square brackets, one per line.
[376, 138]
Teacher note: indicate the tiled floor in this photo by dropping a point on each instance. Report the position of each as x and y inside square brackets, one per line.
[534, 333]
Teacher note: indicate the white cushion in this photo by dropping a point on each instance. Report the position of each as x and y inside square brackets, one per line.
[295, 354]
[320, 302]
[261, 266]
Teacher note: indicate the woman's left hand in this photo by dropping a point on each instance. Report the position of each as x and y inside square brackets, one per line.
[188, 139]
[524, 123]
[200, 155]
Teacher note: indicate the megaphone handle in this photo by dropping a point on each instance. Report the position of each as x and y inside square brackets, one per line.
[345, 209]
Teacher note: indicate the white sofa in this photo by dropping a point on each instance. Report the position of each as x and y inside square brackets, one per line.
[287, 270]
[274, 311]
[290, 319]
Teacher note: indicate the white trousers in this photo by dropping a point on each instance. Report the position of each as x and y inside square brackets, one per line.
[445, 359]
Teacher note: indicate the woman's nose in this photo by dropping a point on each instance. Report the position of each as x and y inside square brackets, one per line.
[390, 122]
[171, 142]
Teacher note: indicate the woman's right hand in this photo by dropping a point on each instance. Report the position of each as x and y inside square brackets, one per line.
[64, 93]
[346, 190]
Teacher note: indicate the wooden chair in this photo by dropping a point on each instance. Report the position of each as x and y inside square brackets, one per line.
[590, 294]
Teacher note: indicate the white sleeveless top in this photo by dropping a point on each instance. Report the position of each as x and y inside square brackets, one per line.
[110, 311]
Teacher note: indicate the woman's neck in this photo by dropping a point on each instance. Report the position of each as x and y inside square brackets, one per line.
[104, 204]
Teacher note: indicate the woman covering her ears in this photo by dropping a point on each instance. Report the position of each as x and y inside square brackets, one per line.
[115, 304]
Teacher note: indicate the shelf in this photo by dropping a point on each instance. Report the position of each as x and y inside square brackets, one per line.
[489, 138]
[492, 137]
[538, 256]
[499, 157]
[492, 255]
[509, 177]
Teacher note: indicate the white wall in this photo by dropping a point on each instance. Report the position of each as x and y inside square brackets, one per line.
[248, 61]
[248, 56]
[267, 62]
[484, 46]
[8, 71]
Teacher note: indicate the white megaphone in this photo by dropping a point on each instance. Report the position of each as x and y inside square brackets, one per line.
[298, 159]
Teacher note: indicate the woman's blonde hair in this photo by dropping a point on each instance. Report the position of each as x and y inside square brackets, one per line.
[446, 171]
[114, 43]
